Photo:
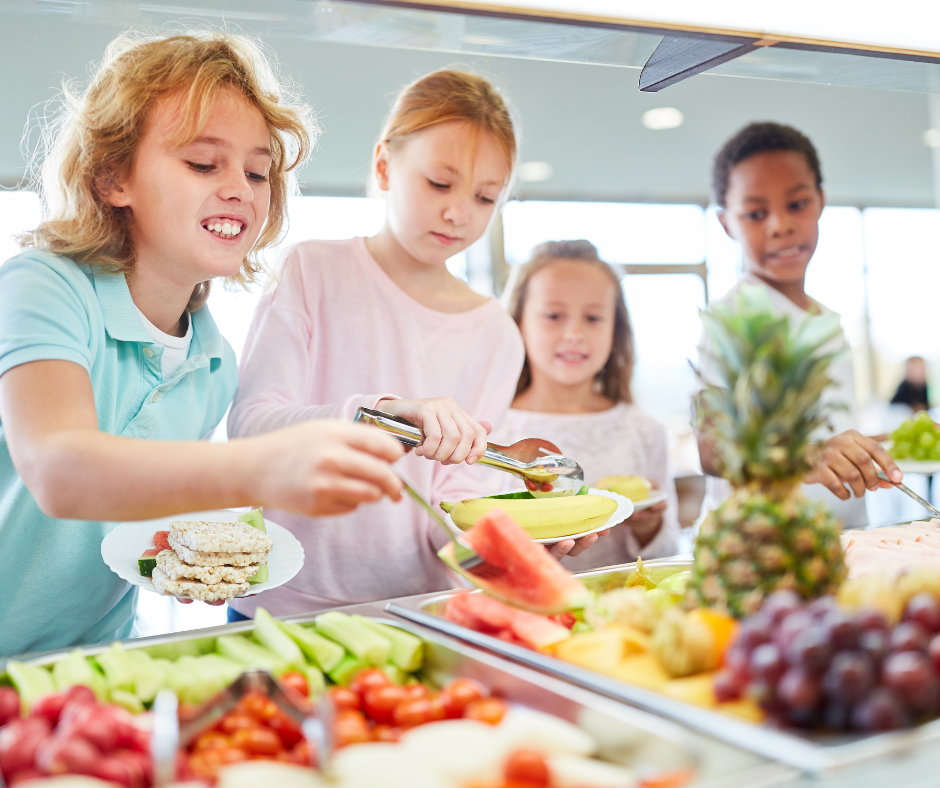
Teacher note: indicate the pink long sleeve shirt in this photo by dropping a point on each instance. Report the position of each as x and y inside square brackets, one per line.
[336, 334]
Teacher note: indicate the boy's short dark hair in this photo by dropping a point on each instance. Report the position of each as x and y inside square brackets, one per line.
[760, 138]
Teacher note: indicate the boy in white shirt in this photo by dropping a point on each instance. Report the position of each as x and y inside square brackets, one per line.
[767, 182]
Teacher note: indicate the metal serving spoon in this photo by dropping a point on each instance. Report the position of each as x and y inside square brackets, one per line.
[540, 464]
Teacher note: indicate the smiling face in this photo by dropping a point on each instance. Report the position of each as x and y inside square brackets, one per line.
[437, 204]
[196, 211]
[568, 322]
[772, 209]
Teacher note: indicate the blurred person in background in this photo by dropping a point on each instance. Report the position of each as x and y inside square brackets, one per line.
[912, 390]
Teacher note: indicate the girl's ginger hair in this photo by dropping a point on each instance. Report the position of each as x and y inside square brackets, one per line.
[446, 95]
[613, 381]
[92, 142]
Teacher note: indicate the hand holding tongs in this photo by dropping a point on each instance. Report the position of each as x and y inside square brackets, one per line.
[908, 491]
[538, 463]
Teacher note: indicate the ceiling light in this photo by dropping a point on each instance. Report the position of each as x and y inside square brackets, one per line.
[535, 171]
[932, 138]
[662, 118]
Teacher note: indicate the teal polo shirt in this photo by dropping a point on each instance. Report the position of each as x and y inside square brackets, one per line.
[55, 591]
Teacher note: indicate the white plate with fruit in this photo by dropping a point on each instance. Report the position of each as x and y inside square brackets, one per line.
[636, 488]
[547, 520]
[915, 445]
[125, 545]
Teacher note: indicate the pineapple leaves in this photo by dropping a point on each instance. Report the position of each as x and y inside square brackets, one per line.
[764, 406]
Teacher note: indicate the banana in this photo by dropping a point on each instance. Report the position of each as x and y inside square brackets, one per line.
[636, 488]
[543, 518]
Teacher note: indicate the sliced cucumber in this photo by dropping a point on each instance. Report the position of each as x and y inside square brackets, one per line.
[255, 519]
[320, 651]
[407, 649]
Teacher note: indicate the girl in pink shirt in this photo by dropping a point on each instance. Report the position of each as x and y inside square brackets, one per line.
[380, 322]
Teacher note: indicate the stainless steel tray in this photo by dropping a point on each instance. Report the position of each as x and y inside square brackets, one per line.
[646, 743]
[819, 754]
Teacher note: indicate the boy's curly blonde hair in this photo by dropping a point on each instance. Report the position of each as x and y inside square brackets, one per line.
[92, 141]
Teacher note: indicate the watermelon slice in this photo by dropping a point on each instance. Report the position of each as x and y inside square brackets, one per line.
[482, 614]
[531, 578]
[161, 540]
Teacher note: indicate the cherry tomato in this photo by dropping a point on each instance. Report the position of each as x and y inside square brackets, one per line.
[344, 698]
[416, 690]
[372, 678]
[237, 721]
[351, 728]
[387, 733]
[380, 702]
[258, 705]
[527, 766]
[211, 740]
[458, 694]
[490, 710]
[258, 741]
[288, 730]
[299, 756]
[438, 709]
[206, 764]
[412, 713]
[297, 682]
[231, 755]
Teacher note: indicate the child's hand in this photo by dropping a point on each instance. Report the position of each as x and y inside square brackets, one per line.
[575, 547]
[451, 436]
[323, 468]
[847, 459]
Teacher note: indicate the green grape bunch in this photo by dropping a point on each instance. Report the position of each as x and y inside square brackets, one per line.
[917, 439]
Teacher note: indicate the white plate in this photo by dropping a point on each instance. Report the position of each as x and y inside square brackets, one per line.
[915, 466]
[123, 546]
[656, 496]
[622, 512]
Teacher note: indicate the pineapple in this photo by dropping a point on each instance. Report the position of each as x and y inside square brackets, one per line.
[766, 536]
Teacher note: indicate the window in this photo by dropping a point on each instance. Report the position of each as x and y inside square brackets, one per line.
[19, 211]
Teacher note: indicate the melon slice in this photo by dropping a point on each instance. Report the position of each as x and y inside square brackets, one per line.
[531, 579]
[161, 540]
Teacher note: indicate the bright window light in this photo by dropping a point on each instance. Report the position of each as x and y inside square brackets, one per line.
[535, 171]
[622, 232]
[19, 212]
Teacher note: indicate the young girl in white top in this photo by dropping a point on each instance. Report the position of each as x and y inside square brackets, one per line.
[365, 321]
[575, 391]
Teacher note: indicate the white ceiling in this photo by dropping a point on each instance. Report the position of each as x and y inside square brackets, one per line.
[582, 119]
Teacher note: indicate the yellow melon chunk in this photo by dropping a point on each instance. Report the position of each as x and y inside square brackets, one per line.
[644, 670]
[697, 690]
[602, 650]
[742, 709]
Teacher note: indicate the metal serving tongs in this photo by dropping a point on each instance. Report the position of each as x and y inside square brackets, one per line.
[908, 491]
[540, 464]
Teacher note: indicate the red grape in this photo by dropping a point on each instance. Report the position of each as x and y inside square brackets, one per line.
[799, 689]
[909, 636]
[871, 619]
[737, 660]
[881, 710]
[843, 630]
[823, 606]
[779, 605]
[850, 676]
[933, 651]
[876, 643]
[728, 685]
[763, 694]
[837, 717]
[909, 673]
[751, 633]
[791, 626]
[9, 705]
[767, 663]
[810, 649]
[925, 610]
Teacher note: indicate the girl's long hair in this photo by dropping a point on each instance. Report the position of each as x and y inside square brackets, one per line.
[613, 381]
[91, 143]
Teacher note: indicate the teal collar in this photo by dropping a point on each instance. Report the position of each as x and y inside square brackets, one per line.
[122, 322]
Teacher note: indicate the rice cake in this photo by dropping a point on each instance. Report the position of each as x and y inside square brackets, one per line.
[193, 589]
[220, 537]
[170, 564]
[197, 558]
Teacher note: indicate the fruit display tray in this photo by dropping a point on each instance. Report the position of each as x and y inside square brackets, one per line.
[645, 743]
[842, 759]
